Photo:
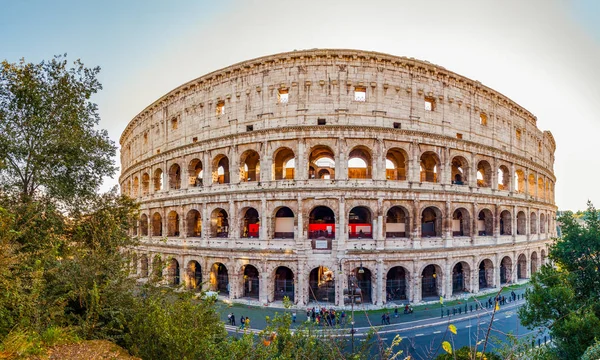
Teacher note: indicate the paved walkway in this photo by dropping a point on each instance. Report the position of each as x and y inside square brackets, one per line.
[423, 314]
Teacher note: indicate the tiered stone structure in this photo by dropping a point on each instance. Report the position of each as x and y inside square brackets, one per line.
[284, 174]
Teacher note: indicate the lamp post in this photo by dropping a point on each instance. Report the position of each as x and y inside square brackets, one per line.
[353, 282]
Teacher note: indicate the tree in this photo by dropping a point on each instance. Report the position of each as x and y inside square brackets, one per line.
[564, 297]
[48, 140]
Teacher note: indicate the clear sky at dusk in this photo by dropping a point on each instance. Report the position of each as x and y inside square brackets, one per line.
[544, 54]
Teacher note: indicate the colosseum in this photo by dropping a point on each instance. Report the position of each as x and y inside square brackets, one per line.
[304, 173]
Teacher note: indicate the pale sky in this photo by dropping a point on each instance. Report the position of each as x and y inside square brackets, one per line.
[543, 54]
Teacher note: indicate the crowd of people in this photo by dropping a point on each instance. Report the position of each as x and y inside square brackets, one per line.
[244, 321]
[324, 317]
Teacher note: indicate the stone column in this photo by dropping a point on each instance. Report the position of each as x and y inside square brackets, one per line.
[263, 230]
[234, 165]
[514, 221]
[301, 163]
[379, 166]
[414, 172]
[380, 288]
[416, 283]
[474, 222]
[300, 285]
[340, 226]
[474, 275]
[207, 170]
[447, 280]
[416, 228]
[299, 234]
[447, 225]
[497, 271]
[380, 238]
[341, 164]
[234, 229]
[512, 182]
[205, 231]
[528, 224]
[445, 167]
[495, 174]
[263, 287]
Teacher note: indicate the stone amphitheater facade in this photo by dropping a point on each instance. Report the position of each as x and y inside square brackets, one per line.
[304, 173]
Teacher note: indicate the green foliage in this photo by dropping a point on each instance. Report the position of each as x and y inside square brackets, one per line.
[592, 353]
[467, 353]
[564, 298]
[48, 139]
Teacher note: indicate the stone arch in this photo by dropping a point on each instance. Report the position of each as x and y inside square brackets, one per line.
[360, 163]
[196, 173]
[284, 283]
[397, 284]
[364, 282]
[542, 223]
[321, 285]
[506, 270]
[461, 222]
[360, 222]
[397, 222]
[219, 223]
[219, 278]
[284, 223]
[484, 174]
[144, 266]
[503, 178]
[431, 282]
[533, 223]
[173, 271]
[157, 268]
[519, 181]
[194, 223]
[534, 262]
[175, 177]
[321, 223]
[543, 256]
[194, 275]
[396, 164]
[136, 186]
[431, 222]
[145, 184]
[548, 196]
[249, 166]
[284, 162]
[430, 163]
[134, 263]
[250, 223]
[541, 194]
[505, 223]
[485, 223]
[522, 267]
[156, 224]
[173, 224]
[144, 224]
[532, 184]
[461, 277]
[251, 281]
[321, 162]
[486, 274]
[158, 181]
[220, 172]
[521, 223]
[459, 170]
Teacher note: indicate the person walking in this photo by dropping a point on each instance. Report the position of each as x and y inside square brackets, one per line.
[229, 318]
[242, 322]
[383, 319]
[294, 317]
[248, 322]
[387, 318]
[232, 319]
[396, 312]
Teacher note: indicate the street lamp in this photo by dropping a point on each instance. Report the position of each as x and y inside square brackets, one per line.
[353, 280]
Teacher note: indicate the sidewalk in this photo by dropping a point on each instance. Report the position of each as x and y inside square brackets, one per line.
[367, 318]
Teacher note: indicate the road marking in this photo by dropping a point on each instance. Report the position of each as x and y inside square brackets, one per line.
[419, 335]
[468, 326]
[384, 339]
[437, 332]
[496, 319]
[508, 316]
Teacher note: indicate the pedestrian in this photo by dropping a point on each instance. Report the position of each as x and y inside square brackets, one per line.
[242, 322]
[396, 312]
[383, 319]
[343, 316]
[294, 317]
[387, 318]
[229, 318]
[247, 322]
[233, 319]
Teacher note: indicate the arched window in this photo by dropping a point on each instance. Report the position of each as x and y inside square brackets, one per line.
[221, 170]
[461, 221]
[485, 223]
[219, 223]
[144, 224]
[429, 166]
[250, 163]
[158, 183]
[397, 222]
[484, 174]
[460, 171]
[173, 224]
[531, 185]
[503, 178]
[284, 164]
[196, 173]
[359, 163]
[250, 223]
[284, 223]
[431, 222]
[505, 223]
[520, 181]
[175, 177]
[156, 224]
[321, 163]
[321, 226]
[359, 223]
[396, 164]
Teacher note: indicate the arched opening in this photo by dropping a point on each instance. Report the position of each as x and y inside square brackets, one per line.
[396, 165]
[461, 221]
[521, 223]
[534, 263]
[396, 284]
[157, 268]
[250, 223]
[219, 223]
[484, 174]
[156, 224]
[285, 164]
[321, 163]
[173, 272]
[542, 223]
[194, 276]
[520, 181]
[503, 178]
[158, 183]
[543, 256]
[145, 184]
[175, 177]
[321, 225]
[459, 170]
[541, 194]
[173, 224]
[533, 223]
[134, 263]
[250, 166]
[505, 270]
[522, 267]
[485, 223]
[144, 224]
[548, 197]
[505, 223]
[284, 223]
[360, 224]
[486, 274]
[220, 173]
[251, 282]
[321, 285]
[431, 282]
[136, 187]
[531, 190]
[284, 283]
[360, 163]
[429, 167]
[363, 282]
[144, 266]
[196, 173]
[219, 278]
[431, 222]
[397, 222]
[461, 275]
[194, 224]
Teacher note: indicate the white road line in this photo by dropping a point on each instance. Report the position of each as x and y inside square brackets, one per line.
[468, 326]
[437, 332]
[496, 319]
[419, 335]
[508, 316]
